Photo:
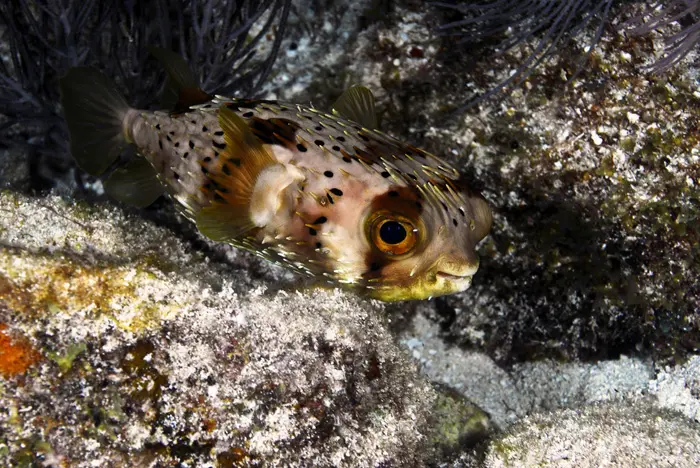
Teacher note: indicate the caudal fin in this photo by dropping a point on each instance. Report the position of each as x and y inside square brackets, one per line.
[94, 112]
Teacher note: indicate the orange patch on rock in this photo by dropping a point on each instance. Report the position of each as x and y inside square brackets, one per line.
[16, 355]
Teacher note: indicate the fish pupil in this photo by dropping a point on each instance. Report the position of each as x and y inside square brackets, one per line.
[392, 232]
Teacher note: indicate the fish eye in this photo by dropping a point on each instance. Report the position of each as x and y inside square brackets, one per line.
[392, 234]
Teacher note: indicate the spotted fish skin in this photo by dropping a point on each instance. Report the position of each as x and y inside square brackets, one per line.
[323, 195]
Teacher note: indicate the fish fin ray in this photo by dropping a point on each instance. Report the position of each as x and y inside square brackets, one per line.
[135, 184]
[357, 104]
[94, 111]
[224, 223]
[237, 171]
[182, 89]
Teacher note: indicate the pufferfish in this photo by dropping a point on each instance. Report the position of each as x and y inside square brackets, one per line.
[325, 194]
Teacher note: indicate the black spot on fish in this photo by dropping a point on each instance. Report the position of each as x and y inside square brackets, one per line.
[346, 159]
[319, 142]
[461, 211]
[204, 128]
[412, 177]
[207, 159]
[226, 169]
[236, 162]
[167, 137]
[194, 122]
[393, 193]
[330, 199]
[454, 221]
[374, 266]
[312, 231]
[385, 174]
[187, 153]
[204, 169]
[157, 126]
[337, 192]
[320, 220]
[328, 174]
[275, 131]
[216, 154]
[340, 138]
[301, 148]
[160, 143]
[176, 175]
[219, 133]
[318, 245]
[444, 206]
[361, 135]
[218, 145]
[191, 144]
[336, 148]
[177, 144]
[248, 115]
[172, 132]
[307, 117]
[318, 128]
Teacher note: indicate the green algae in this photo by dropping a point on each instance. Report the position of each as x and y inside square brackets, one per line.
[65, 360]
[459, 424]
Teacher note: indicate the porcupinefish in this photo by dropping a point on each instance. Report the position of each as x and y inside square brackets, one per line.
[325, 194]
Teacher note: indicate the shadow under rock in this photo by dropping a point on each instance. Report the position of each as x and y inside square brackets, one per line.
[561, 281]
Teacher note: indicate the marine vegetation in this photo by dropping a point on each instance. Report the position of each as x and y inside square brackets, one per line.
[550, 24]
[327, 195]
[220, 38]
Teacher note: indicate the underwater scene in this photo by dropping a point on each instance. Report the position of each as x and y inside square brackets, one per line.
[331, 233]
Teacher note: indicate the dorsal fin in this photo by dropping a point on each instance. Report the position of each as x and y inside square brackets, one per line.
[239, 165]
[181, 87]
[135, 184]
[357, 103]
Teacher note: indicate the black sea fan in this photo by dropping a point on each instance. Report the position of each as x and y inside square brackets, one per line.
[512, 22]
[679, 45]
[551, 23]
[230, 44]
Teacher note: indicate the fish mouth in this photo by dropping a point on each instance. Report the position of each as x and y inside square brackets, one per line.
[452, 277]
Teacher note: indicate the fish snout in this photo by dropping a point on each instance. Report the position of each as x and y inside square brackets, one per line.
[456, 270]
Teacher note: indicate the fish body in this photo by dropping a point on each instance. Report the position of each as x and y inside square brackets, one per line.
[324, 194]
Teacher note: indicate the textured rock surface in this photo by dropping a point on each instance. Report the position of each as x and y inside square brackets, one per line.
[122, 346]
[635, 434]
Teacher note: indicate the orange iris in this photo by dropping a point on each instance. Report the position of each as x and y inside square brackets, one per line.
[392, 234]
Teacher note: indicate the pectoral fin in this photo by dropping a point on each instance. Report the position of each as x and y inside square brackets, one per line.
[234, 177]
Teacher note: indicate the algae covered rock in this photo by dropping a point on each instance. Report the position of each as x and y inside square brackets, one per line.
[120, 345]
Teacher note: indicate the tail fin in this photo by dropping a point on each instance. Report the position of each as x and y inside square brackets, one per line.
[94, 111]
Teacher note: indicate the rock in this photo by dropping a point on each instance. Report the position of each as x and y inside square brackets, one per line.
[136, 349]
[632, 434]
